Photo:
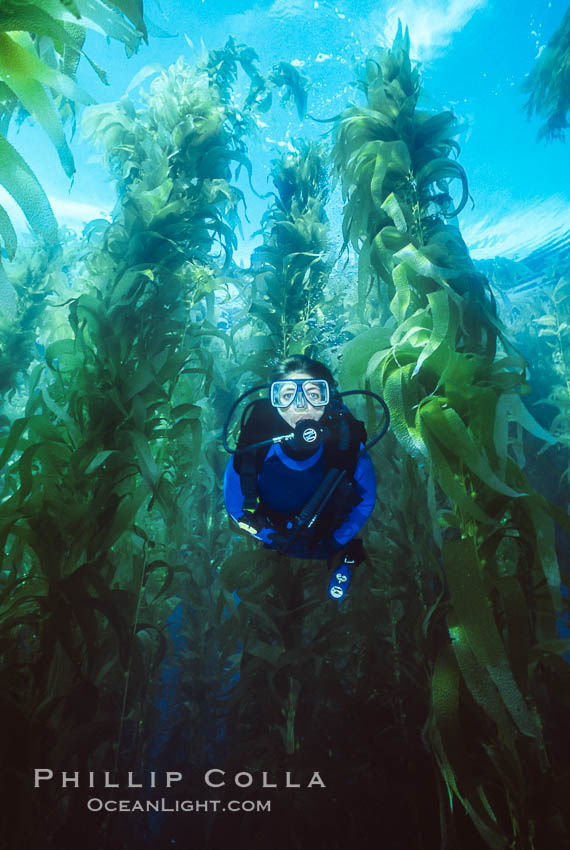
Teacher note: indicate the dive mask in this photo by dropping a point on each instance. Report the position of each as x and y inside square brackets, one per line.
[313, 391]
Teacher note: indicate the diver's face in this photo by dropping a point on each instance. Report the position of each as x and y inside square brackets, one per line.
[300, 408]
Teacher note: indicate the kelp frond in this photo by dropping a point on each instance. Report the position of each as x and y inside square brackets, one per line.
[548, 84]
[291, 267]
[47, 91]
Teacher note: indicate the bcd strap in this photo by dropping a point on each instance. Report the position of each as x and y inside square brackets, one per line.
[248, 481]
[261, 421]
[342, 448]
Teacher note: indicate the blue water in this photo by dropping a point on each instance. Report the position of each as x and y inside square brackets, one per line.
[474, 55]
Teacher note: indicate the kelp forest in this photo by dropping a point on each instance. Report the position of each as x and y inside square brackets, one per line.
[140, 633]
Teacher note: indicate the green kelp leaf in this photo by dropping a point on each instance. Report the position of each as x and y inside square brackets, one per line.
[16, 431]
[72, 53]
[458, 372]
[166, 581]
[397, 398]
[35, 100]
[190, 411]
[357, 353]
[8, 234]
[218, 158]
[413, 331]
[294, 84]
[559, 646]
[455, 760]
[45, 429]
[444, 169]
[261, 614]
[19, 181]
[8, 299]
[359, 126]
[96, 15]
[445, 703]
[18, 56]
[364, 283]
[68, 5]
[99, 460]
[448, 427]
[123, 518]
[394, 209]
[63, 356]
[133, 10]
[268, 652]
[241, 568]
[453, 485]
[546, 547]
[478, 681]
[144, 74]
[59, 412]
[30, 18]
[510, 408]
[37, 22]
[270, 318]
[442, 330]
[392, 165]
[145, 460]
[401, 300]
[162, 648]
[476, 625]
[434, 128]
[517, 622]
[144, 377]
[421, 265]
[151, 203]
[196, 431]
[374, 366]
[432, 506]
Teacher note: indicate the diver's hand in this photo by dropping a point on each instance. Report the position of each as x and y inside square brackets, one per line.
[291, 540]
[278, 541]
[294, 541]
[254, 523]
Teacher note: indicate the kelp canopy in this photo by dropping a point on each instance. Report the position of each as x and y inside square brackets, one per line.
[137, 632]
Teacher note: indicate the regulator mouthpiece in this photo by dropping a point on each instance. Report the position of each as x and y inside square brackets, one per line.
[307, 434]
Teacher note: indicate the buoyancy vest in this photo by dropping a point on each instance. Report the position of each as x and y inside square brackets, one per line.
[344, 435]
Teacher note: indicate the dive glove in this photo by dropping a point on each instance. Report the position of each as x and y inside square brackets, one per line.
[256, 524]
[253, 522]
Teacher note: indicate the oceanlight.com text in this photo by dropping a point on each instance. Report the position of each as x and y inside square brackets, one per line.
[96, 804]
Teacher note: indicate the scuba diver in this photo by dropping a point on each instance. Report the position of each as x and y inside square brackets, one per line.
[301, 479]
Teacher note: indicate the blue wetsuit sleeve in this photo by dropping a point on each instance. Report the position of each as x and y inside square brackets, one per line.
[233, 498]
[365, 480]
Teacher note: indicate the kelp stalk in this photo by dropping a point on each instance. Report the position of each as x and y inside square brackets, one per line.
[452, 381]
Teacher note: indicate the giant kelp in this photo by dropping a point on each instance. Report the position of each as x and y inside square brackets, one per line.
[116, 430]
[41, 42]
[112, 431]
[453, 381]
[110, 413]
[291, 268]
[548, 84]
[554, 328]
